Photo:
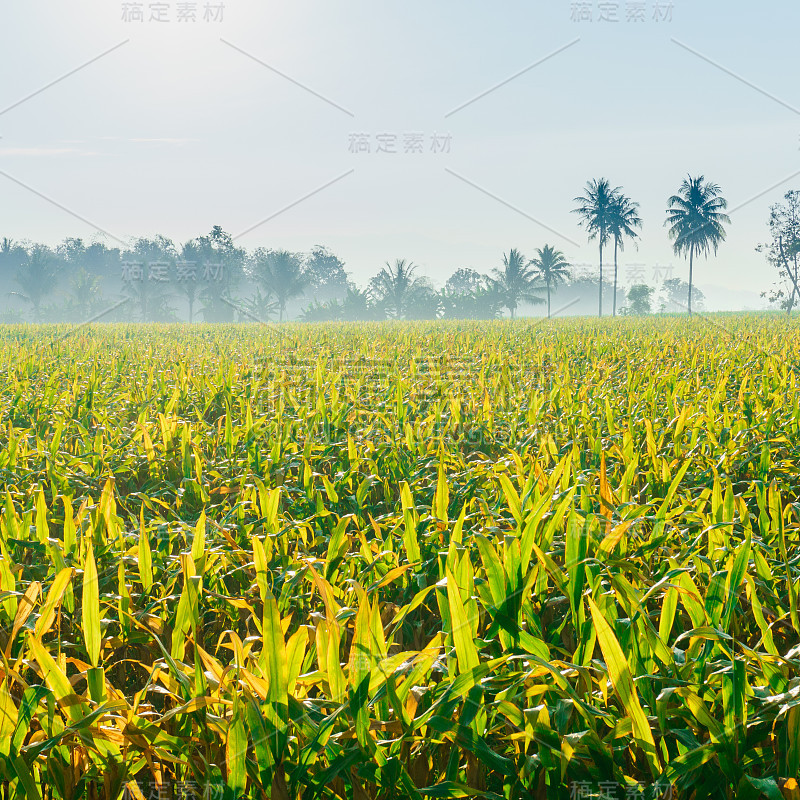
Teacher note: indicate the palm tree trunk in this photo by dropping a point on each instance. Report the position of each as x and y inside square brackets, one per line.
[600, 295]
[191, 310]
[548, 299]
[691, 267]
[616, 243]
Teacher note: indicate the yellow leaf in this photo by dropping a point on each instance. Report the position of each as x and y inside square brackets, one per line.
[621, 680]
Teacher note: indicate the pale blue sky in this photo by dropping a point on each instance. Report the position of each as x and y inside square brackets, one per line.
[176, 131]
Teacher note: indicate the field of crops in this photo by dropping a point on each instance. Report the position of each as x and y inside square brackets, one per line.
[505, 560]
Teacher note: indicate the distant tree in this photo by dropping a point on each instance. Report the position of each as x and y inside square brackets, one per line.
[73, 252]
[95, 258]
[469, 294]
[596, 210]
[783, 251]
[220, 268]
[515, 281]
[85, 297]
[281, 275]
[208, 269]
[12, 256]
[424, 302]
[625, 220]
[696, 221]
[579, 293]
[395, 288]
[102, 261]
[552, 270]
[159, 248]
[358, 305]
[261, 306]
[639, 296]
[674, 294]
[147, 273]
[329, 311]
[484, 302]
[151, 301]
[325, 275]
[193, 261]
[464, 281]
[37, 276]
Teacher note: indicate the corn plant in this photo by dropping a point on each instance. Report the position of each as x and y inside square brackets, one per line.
[501, 560]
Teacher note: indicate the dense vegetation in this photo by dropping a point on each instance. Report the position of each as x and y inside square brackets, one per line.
[211, 279]
[503, 559]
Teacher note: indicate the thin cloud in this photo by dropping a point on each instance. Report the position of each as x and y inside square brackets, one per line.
[40, 151]
[148, 139]
[162, 140]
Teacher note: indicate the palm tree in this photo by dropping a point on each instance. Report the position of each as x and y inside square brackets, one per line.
[552, 268]
[395, 287]
[624, 221]
[514, 282]
[85, 294]
[281, 274]
[595, 206]
[696, 220]
[260, 307]
[358, 306]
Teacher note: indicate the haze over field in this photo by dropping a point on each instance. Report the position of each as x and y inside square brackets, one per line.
[180, 128]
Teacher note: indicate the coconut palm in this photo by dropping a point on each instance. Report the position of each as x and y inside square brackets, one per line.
[281, 274]
[395, 286]
[595, 207]
[696, 218]
[515, 282]
[625, 220]
[552, 268]
[261, 307]
[84, 297]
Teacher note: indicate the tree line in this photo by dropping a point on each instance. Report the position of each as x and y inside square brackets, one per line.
[214, 280]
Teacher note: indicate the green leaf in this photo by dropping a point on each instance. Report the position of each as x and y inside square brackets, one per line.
[274, 654]
[409, 524]
[236, 754]
[54, 597]
[90, 607]
[145, 556]
[441, 497]
[620, 674]
[466, 651]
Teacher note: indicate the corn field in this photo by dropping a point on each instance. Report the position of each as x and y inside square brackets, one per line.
[502, 560]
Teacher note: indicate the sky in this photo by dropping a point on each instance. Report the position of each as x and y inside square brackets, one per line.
[273, 119]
